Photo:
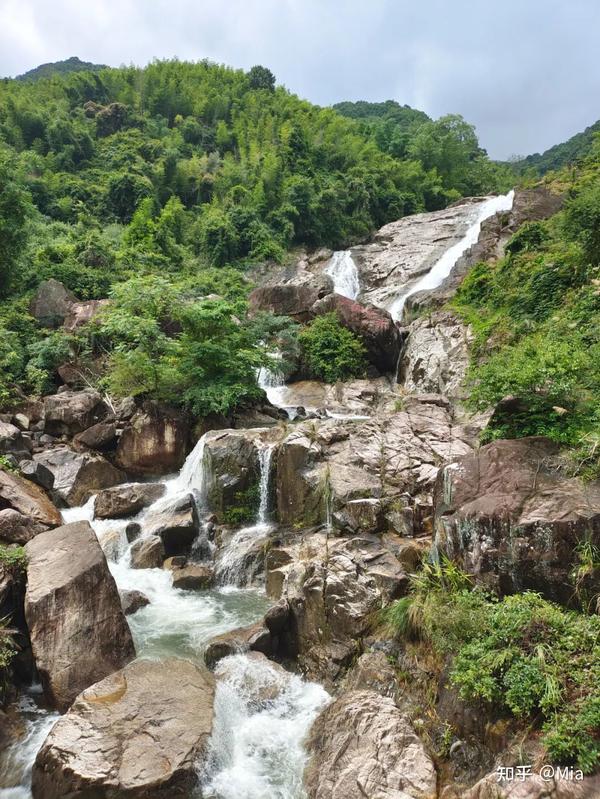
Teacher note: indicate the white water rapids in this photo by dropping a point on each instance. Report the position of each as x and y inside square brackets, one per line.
[444, 265]
[262, 714]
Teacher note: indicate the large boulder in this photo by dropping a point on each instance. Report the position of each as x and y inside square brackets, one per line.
[72, 412]
[332, 590]
[508, 515]
[155, 442]
[374, 326]
[141, 733]
[101, 436]
[254, 638]
[436, 355]
[176, 524]
[51, 303]
[80, 313]
[78, 475]
[26, 509]
[294, 299]
[126, 500]
[362, 746]
[147, 553]
[78, 631]
[12, 441]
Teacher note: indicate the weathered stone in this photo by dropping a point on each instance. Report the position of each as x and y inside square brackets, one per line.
[195, 577]
[132, 531]
[77, 628]
[51, 303]
[374, 326]
[294, 299]
[37, 472]
[147, 553]
[132, 601]
[363, 515]
[30, 502]
[126, 500]
[155, 442]
[255, 638]
[70, 412]
[140, 733]
[176, 525]
[101, 436]
[372, 672]
[78, 475]
[508, 515]
[12, 442]
[436, 355]
[533, 787]
[80, 313]
[361, 746]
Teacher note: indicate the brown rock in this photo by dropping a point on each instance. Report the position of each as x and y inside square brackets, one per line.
[141, 733]
[509, 516]
[78, 475]
[126, 500]
[80, 313]
[12, 441]
[72, 412]
[36, 512]
[147, 553]
[374, 326]
[362, 746]
[290, 299]
[194, 577]
[176, 525]
[132, 601]
[101, 436]
[254, 638]
[77, 628]
[154, 443]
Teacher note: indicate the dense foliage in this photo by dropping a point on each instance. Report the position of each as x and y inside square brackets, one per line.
[536, 316]
[521, 655]
[159, 186]
[72, 64]
[331, 351]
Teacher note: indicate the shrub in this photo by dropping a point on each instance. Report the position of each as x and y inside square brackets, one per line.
[522, 654]
[330, 351]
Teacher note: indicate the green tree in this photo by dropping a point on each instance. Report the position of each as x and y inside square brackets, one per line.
[15, 210]
[261, 78]
[330, 351]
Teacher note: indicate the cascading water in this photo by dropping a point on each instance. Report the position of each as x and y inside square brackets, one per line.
[342, 270]
[444, 265]
[267, 740]
[235, 565]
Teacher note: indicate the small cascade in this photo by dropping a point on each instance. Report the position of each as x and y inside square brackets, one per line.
[237, 563]
[342, 270]
[16, 760]
[444, 265]
[262, 715]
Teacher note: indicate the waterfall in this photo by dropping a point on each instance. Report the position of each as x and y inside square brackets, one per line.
[342, 269]
[262, 715]
[444, 265]
[264, 459]
[237, 563]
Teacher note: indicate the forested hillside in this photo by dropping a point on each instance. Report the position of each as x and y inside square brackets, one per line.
[72, 64]
[575, 149]
[158, 186]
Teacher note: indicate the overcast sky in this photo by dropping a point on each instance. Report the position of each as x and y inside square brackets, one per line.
[525, 72]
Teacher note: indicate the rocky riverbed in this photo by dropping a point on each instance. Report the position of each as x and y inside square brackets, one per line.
[191, 654]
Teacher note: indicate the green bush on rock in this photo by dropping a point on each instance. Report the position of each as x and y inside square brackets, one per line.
[331, 351]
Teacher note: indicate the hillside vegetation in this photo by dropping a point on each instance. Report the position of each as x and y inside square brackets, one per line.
[159, 186]
[568, 153]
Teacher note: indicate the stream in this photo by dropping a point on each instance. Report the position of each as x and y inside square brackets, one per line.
[256, 750]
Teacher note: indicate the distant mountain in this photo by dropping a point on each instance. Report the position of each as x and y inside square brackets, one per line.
[72, 64]
[569, 152]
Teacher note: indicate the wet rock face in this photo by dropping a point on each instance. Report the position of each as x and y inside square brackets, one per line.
[73, 611]
[436, 355]
[234, 466]
[126, 500]
[254, 638]
[176, 525]
[294, 296]
[509, 516]
[374, 326]
[26, 509]
[147, 553]
[361, 746]
[77, 475]
[72, 412]
[154, 443]
[141, 732]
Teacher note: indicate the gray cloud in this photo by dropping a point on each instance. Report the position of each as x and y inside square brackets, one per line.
[525, 72]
